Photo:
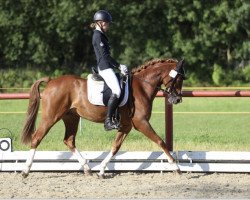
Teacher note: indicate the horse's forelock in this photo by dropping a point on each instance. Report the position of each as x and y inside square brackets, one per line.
[152, 62]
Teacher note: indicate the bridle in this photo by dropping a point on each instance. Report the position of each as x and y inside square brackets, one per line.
[175, 74]
[171, 89]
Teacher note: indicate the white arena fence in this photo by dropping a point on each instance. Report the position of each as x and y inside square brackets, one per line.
[139, 161]
[188, 161]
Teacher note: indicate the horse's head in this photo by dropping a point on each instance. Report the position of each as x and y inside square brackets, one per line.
[168, 72]
[173, 82]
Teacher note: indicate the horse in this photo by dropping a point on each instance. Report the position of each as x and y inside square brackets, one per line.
[65, 98]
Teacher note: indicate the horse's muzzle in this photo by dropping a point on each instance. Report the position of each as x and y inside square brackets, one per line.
[175, 99]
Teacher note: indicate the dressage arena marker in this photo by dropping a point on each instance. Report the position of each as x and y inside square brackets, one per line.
[188, 161]
[5, 144]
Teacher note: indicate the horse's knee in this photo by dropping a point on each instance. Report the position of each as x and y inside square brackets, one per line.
[126, 126]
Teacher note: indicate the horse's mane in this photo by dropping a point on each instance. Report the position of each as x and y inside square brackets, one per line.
[152, 62]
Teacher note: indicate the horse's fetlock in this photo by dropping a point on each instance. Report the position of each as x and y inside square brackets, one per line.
[86, 166]
[35, 143]
[88, 172]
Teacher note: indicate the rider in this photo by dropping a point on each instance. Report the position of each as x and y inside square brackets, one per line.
[106, 63]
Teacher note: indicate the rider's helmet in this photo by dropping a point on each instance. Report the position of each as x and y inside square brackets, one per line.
[103, 15]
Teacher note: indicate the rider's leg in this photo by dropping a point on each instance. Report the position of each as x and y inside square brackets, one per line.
[112, 105]
[113, 83]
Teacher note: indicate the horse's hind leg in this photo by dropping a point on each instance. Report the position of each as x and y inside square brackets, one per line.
[115, 148]
[28, 163]
[71, 124]
[120, 137]
[37, 137]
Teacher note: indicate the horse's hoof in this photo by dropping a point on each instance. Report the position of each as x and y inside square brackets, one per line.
[88, 172]
[101, 176]
[24, 174]
[178, 171]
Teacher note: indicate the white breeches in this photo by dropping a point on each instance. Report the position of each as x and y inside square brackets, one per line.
[110, 78]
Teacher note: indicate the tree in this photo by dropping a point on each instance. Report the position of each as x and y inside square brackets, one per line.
[55, 34]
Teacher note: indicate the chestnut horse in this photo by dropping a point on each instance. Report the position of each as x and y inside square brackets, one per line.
[66, 98]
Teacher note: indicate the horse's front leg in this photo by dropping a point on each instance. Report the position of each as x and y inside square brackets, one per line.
[115, 148]
[145, 127]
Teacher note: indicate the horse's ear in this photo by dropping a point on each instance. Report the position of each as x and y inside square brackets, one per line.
[180, 64]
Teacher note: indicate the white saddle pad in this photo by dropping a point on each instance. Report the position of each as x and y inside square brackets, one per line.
[95, 89]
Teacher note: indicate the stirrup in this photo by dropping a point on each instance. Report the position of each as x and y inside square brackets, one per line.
[109, 125]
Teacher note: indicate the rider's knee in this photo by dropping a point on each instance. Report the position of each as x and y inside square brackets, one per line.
[117, 92]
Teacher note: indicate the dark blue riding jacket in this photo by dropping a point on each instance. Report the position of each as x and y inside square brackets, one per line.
[102, 51]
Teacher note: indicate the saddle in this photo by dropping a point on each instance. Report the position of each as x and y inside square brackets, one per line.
[99, 92]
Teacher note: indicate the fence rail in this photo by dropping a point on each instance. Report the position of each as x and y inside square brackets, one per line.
[168, 107]
[195, 93]
[194, 161]
[188, 161]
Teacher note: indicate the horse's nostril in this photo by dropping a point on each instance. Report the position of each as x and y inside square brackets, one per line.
[178, 100]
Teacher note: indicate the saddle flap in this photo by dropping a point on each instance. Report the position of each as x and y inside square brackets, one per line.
[99, 93]
[94, 90]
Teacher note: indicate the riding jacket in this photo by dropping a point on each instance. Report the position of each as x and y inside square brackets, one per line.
[102, 51]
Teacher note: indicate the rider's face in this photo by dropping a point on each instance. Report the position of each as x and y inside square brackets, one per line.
[105, 26]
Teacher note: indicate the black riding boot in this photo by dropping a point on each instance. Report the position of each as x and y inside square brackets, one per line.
[109, 124]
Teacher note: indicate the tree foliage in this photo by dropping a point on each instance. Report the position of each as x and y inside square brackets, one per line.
[55, 34]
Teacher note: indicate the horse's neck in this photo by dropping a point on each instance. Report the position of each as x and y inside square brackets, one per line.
[149, 83]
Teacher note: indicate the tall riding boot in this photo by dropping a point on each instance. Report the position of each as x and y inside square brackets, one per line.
[112, 105]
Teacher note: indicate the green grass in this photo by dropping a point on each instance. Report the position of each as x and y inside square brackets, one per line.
[199, 124]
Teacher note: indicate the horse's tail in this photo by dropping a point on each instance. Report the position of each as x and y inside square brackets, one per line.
[34, 102]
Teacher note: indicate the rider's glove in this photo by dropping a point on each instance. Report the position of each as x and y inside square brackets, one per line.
[124, 69]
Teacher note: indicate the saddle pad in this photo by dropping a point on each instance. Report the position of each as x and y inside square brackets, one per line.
[95, 92]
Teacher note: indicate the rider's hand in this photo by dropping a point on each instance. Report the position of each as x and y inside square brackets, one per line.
[124, 69]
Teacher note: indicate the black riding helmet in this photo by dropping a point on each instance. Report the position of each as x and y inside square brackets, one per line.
[103, 15]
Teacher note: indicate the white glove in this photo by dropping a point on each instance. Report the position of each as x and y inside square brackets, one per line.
[124, 69]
